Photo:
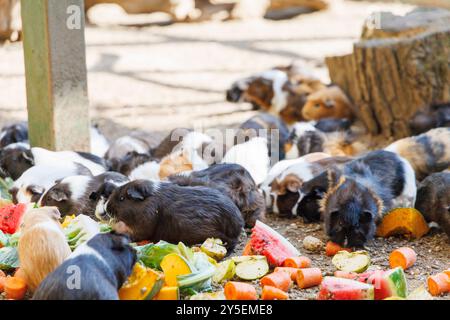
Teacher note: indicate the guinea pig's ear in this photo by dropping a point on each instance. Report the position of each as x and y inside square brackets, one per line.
[139, 192]
[119, 241]
[35, 189]
[292, 183]
[329, 103]
[54, 213]
[58, 195]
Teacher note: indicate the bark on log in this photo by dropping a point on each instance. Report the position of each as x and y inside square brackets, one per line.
[401, 64]
[9, 19]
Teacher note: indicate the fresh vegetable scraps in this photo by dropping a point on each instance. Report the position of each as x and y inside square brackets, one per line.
[404, 257]
[168, 293]
[214, 248]
[280, 280]
[10, 216]
[224, 271]
[143, 284]
[346, 274]
[273, 293]
[173, 266]
[9, 258]
[403, 221]
[239, 291]
[357, 261]
[80, 229]
[438, 284]
[291, 271]
[5, 185]
[252, 268]
[333, 288]
[218, 295]
[297, 262]
[332, 248]
[15, 288]
[309, 277]
[390, 283]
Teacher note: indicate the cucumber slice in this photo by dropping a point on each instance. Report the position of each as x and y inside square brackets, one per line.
[219, 295]
[240, 259]
[357, 261]
[224, 271]
[252, 269]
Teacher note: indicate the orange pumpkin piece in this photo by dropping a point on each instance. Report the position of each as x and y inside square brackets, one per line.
[403, 221]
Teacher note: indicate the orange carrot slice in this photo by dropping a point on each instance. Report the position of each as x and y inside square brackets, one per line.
[280, 280]
[403, 257]
[309, 277]
[272, 293]
[438, 284]
[15, 288]
[2, 284]
[297, 262]
[239, 291]
[332, 248]
[346, 274]
[247, 250]
[291, 271]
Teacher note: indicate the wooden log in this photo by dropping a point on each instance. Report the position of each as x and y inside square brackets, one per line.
[55, 67]
[10, 24]
[400, 66]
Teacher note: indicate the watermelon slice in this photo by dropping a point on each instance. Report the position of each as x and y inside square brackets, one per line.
[10, 217]
[333, 288]
[391, 283]
[269, 243]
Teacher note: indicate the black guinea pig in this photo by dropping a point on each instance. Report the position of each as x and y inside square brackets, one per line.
[17, 132]
[156, 211]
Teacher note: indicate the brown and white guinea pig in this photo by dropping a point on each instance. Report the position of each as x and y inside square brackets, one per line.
[33, 183]
[427, 153]
[42, 244]
[232, 180]
[14, 133]
[96, 270]
[305, 138]
[360, 193]
[286, 188]
[270, 127]
[436, 116]
[433, 199]
[166, 211]
[15, 159]
[330, 102]
[72, 195]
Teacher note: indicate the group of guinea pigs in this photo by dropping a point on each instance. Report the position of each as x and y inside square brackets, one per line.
[183, 189]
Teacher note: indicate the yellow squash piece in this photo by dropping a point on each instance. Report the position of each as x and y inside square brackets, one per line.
[168, 293]
[403, 221]
[143, 284]
[174, 265]
[67, 221]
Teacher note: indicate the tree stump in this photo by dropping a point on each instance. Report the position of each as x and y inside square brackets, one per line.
[10, 25]
[400, 65]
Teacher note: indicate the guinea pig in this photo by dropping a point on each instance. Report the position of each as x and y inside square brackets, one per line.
[433, 199]
[42, 244]
[165, 211]
[333, 124]
[17, 132]
[232, 180]
[361, 192]
[123, 145]
[424, 120]
[33, 183]
[15, 159]
[427, 153]
[72, 195]
[330, 102]
[99, 143]
[271, 127]
[96, 270]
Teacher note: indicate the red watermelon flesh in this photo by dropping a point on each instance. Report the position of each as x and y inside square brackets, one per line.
[266, 241]
[389, 283]
[10, 217]
[333, 288]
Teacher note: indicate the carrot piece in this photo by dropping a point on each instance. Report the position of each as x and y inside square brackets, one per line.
[291, 271]
[309, 277]
[247, 250]
[20, 274]
[332, 248]
[439, 283]
[280, 280]
[447, 272]
[272, 293]
[403, 257]
[2, 284]
[239, 291]
[297, 262]
[15, 288]
[346, 275]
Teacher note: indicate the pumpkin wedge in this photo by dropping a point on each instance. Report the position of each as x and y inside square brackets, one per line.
[403, 221]
[174, 265]
[143, 284]
[168, 293]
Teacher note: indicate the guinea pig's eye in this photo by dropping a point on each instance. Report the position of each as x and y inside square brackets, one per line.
[122, 198]
[317, 105]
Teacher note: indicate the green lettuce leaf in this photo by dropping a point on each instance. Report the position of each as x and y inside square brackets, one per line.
[9, 258]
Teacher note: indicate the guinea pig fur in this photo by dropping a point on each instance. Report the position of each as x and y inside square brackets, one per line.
[15, 159]
[72, 195]
[427, 153]
[232, 180]
[358, 195]
[42, 244]
[17, 132]
[330, 102]
[433, 199]
[165, 211]
[424, 120]
[96, 270]
[123, 145]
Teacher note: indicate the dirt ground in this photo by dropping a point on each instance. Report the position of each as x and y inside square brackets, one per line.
[156, 78]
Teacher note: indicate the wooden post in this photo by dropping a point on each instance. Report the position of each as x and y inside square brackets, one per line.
[55, 65]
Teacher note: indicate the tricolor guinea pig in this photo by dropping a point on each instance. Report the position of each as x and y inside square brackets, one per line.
[330, 102]
[42, 244]
[72, 195]
[165, 211]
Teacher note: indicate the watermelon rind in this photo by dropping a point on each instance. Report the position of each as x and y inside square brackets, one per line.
[396, 280]
[334, 288]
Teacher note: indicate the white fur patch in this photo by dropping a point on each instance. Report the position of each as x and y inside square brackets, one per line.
[86, 250]
[77, 185]
[99, 144]
[18, 145]
[301, 170]
[278, 168]
[408, 195]
[147, 171]
[49, 225]
[279, 79]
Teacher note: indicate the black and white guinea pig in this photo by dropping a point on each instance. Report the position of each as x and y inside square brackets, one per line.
[433, 199]
[232, 180]
[333, 124]
[165, 211]
[424, 120]
[73, 195]
[15, 159]
[96, 270]
[17, 132]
